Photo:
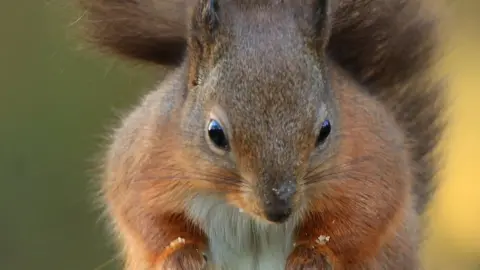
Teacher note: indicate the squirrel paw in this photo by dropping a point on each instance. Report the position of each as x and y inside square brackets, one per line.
[186, 257]
[307, 258]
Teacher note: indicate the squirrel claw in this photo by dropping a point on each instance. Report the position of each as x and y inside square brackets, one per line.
[307, 258]
[189, 257]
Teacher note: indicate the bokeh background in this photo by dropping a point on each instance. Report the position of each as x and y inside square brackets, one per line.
[57, 102]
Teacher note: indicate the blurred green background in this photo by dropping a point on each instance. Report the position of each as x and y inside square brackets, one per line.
[57, 102]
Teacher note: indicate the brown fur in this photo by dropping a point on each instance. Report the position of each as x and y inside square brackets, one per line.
[386, 45]
[271, 64]
[374, 194]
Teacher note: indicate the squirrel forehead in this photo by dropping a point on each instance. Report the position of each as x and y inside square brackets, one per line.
[268, 84]
[279, 82]
[263, 66]
[269, 99]
[243, 17]
[229, 7]
[264, 42]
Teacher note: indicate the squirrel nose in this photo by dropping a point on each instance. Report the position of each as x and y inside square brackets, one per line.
[278, 213]
[278, 206]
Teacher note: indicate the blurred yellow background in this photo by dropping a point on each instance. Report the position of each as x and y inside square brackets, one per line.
[454, 238]
[56, 102]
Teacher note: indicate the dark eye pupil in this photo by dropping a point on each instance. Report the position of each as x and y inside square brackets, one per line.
[216, 134]
[324, 132]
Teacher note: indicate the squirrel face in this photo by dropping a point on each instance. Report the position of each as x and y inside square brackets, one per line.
[259, 114]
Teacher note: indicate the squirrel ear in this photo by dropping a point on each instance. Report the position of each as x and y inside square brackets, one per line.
[322, 21]
[205, 19]
[204, 23]
[322, 13]
[315, 18]
[210, 15]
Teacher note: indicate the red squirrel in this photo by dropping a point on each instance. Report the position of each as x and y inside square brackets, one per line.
[291, 134]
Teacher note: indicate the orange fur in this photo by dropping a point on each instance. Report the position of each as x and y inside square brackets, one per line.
[274, 69]
[368, 205]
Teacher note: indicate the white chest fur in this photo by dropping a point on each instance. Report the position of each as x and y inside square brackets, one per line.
[238, 242]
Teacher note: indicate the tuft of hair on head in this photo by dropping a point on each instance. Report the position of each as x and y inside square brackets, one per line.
[209, 15]
[316, 17]
[201, 33]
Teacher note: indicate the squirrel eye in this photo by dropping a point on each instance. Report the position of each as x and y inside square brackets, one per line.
[217, 135]
[324, 132]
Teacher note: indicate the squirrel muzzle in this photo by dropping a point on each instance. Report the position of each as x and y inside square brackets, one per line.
[278, 201]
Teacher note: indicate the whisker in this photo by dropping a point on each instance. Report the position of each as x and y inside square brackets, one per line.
[231, 182]
[341, 169]
[322, 164]
[107, 263]
[314, 171]
[226, 181]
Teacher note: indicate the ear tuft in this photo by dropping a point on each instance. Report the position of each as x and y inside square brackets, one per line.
[210, 15]
[315, 18]
[322, 22]
[322, 15]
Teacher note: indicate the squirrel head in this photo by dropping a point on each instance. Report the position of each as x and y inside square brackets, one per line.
[259, 112]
